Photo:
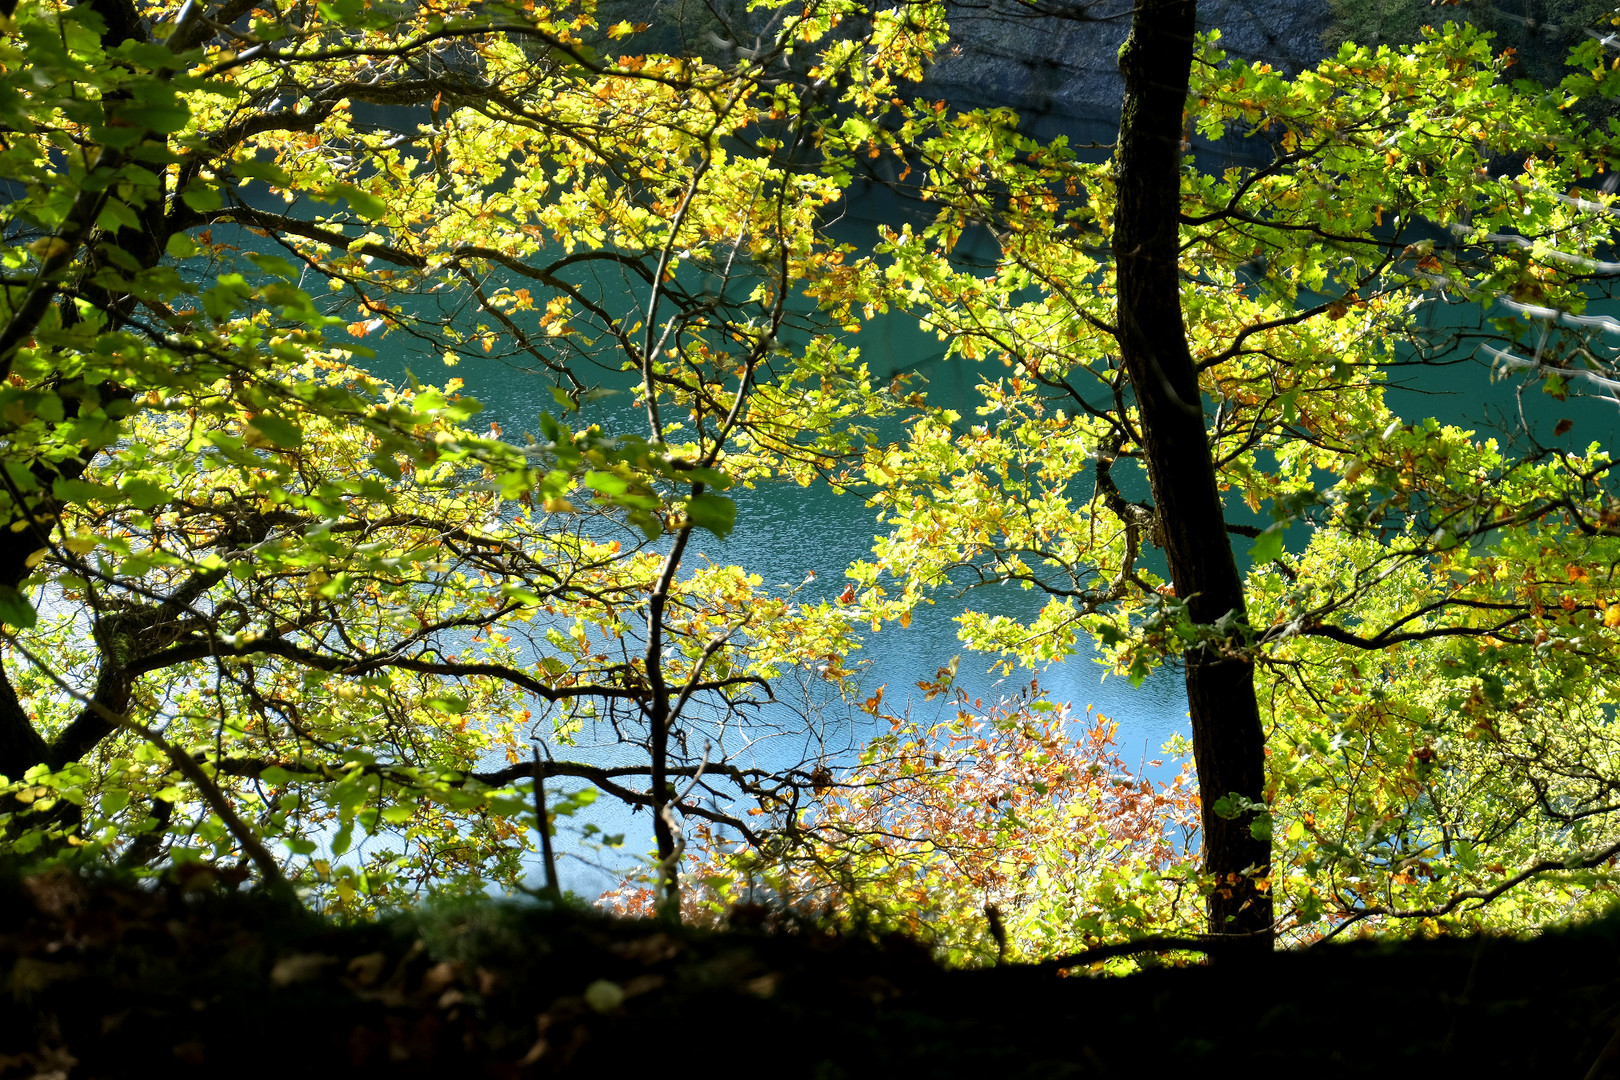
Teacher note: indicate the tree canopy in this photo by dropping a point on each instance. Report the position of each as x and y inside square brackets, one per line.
[267, 609]
[1428, 650]
[262, 600]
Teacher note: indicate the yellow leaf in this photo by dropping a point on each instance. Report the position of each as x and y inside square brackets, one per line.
[49, 247]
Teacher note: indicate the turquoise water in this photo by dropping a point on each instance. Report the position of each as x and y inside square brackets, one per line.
[786, 533]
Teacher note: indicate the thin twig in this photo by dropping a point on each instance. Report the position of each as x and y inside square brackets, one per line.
[543, 819]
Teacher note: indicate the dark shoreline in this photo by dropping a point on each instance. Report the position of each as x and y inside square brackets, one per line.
[107, 979]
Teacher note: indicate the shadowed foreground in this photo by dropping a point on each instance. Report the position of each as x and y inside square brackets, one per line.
[104, 979]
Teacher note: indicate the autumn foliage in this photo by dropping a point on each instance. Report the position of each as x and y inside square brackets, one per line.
[266, 612]
[1015, 831]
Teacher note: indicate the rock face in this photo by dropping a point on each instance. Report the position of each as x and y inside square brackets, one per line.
[1054, 61]
[1063, 68]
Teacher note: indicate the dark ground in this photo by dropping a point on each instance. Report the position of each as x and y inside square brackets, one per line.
[102, 979]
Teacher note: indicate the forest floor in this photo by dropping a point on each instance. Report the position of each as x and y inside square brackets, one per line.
[105, 979]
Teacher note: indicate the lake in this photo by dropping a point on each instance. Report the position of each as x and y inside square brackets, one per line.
[788, 534]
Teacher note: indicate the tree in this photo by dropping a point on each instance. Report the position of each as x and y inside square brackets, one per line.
[259, 598]
[1190, 522]
[1427, 675]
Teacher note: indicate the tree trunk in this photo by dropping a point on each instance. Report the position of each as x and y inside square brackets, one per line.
[1228, 742]
[30, 524]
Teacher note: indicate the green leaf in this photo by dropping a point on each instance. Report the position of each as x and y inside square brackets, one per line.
[276, 430]
[202, 197]
[268, 171]
[361, 202]
[148, 55]
[162, 116]
[651, 525]
[715, 513]
[274, 265]
[144, 493]
[453, 705]
[82, 491]
[180, 246]
[1269, 544]
[713, 477]
[15, 609]
[116, 214]
[609, 484]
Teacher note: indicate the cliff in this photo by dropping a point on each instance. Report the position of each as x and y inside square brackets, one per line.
[1065, 66]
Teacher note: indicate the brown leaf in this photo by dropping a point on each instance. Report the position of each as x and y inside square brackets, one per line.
[821, 778]
[1562, 427]
[57, 892]
[300, 967]
[652, 949]
[439, 977]
[765, 985]
[366, 970]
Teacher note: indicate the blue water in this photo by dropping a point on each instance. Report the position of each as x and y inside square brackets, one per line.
[786, 533]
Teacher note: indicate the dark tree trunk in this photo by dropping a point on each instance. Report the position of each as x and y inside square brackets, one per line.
[1228, 742]
[21, 746]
